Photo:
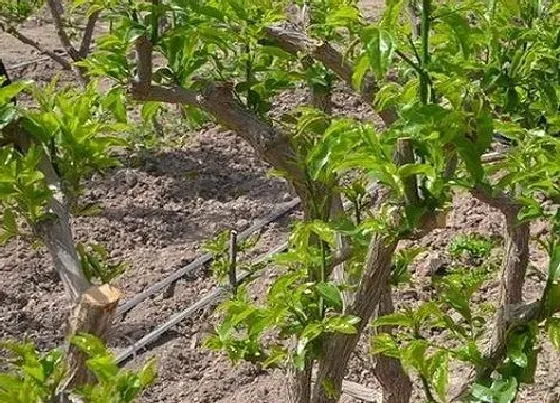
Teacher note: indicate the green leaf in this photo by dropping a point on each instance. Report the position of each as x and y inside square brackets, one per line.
[10, 91]
[552, 303]
[311, 331]
[457, 299]
[384, 344]
[554, 264]
[331, 294]
[553, 331]
[148, 374]
[103, 367]
[515, 349]
[426, 310]
[7, 114]
[501, 391]
[391, 14]
[345, 16]
[416, 169]
[9, 222]
[440, 373]
[345, 324]
[414, 355]
[471, 158]
[322, 230]
[380, 46]
[89, 344]
[360, 70]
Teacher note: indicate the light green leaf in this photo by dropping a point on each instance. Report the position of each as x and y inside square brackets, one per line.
[553, 331]
[380, 46]
[360, 70]
[341, 324]
[554, 264]
[384, 344]
[416, 169]
[149, 110]
[440, 373]
[10, 91]
[395, 319]
[103, 367]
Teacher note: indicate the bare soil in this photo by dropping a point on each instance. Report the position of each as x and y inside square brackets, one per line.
[157, 209]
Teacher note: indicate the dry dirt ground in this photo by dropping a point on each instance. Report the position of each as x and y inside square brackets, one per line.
[155, 212]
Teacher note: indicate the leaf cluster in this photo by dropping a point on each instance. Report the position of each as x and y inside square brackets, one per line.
[39, 377]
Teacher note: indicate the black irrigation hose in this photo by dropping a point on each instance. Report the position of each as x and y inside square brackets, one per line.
[204, 259]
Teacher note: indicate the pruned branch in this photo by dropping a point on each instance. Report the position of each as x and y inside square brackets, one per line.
[499, 201]
[512, 313]
[28, 41]
[298, 42]
[218, 100]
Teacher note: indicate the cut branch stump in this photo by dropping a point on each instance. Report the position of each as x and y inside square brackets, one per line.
[93, 315]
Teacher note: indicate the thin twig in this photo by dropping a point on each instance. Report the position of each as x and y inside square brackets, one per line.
[233, 261]
[55, 7]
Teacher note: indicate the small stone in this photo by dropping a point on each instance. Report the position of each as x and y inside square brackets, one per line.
[242, 224]
[432, 264]
[131, 179]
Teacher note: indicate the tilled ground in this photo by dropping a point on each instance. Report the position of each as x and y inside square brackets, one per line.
[155, 212]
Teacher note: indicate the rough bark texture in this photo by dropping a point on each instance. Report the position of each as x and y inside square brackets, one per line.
[299, 384]
[339, 347]
[87, 37]
[295, 42]
[217, 99]
[511, 311]
[55, 6]
[56, 234]
[516, 259]
[396, 385]
[57, 10]
[93, 315]
[514, 267]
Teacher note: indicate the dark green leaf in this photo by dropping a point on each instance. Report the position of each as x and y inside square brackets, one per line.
[331, 294]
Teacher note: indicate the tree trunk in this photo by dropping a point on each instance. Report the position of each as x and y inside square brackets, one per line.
[514, 268]
[93, 315]
[299, 384]
[516, 259]
[339, 347]
[56, 233]
[396, 385]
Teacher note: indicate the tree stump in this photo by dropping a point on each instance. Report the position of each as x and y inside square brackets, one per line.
[93, 315]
